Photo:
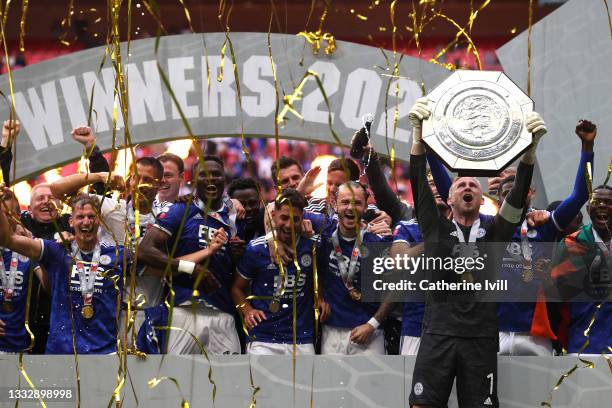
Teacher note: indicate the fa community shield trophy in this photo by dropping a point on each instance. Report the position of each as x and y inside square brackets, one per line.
[477, 125]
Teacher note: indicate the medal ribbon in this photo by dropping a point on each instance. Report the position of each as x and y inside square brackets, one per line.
[87, 280]
[603, 246]
[526, 251]
[8, 282]
[347, 273]
[471, 239]
[473, 231]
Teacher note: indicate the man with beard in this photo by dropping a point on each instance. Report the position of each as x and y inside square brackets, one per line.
[582, 271]
[85, 281]
[270, 322]
[401, 336]
[248, 193]
[195, 239]
[460, 334]
[15, 272]
[353, 325]
[524, 326]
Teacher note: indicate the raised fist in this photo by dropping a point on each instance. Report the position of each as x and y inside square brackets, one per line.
[10, 130]
[586, 131]
[84, 135]
[359, 141]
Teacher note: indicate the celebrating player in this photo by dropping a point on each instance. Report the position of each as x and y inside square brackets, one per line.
[248, 193]
[583, 266]
[206, 230]
[460, 337]
[84, 278]
[15, 271]
[270, 314]
[524, 326]
[353, 325]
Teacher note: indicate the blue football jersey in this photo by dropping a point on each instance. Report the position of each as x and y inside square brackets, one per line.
[97, 335]
[257, 267]
[16, 338]
[345, 312]
[518, 316]
[195, 235]
[412, 316]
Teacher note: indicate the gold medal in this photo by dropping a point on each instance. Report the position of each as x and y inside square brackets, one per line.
[87, 311]
[7, 307]
[274, 306]
[527, 275]
[355, 294]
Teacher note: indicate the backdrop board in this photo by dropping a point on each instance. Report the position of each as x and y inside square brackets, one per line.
[570, 80]
[353, 381]
[51, 98]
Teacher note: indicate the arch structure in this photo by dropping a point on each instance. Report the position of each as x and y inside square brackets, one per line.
[53, 97]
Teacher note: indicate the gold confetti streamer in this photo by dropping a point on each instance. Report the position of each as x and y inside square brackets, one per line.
[202, 351]
[316, 37]
[153, 9]
[222, 63]
[154, 382]
[255, 389]
[22, 24]
[315, 286]
[66, 26]
[609, 19]
[276, 106]
[460, 32]
[295, 96]
[589, 181]
[294, 295]
[9, 73]
[24, 374]
[187, 15]
[605, 183]
[587, 363]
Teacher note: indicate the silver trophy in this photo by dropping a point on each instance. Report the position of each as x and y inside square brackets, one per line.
[477, 125]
